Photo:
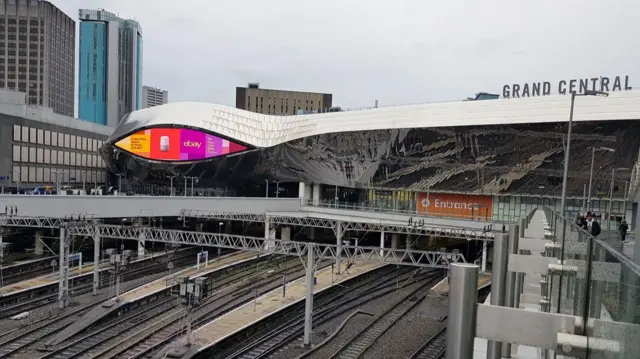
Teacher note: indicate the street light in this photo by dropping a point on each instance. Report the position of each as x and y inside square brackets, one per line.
[266, 191]
[593, 153]
[565, 174]
[610, 210]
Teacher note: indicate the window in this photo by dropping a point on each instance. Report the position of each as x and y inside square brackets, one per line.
[47, 156]
[40, 155]
[54, 139]
[73, 159]
[78, 159]
[47, 137]
[84, 143]
[32, 135]
[60, 139]
[47, 175]
[15, 173]
[67, 140]
[72, 142]
[54, 157]
[40, 136]
[79, 142]
[24, 173]
[39, 175]
[25, 134]
[60, 157]
[24, 154]
[16, 133]
[32, 174]
[16, 153]
[66, 158]
[32, 154]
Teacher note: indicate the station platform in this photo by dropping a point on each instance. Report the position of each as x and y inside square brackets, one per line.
[270, 303]
[191, 272]
[27, 262]
[52, 278]
[148, 290]
[484, 279]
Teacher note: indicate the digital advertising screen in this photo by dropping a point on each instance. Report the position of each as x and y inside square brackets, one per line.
[177, 144]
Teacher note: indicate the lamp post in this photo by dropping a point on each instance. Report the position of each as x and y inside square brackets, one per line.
[610, 209]
[266, 191]
[593, 155]
[565, 174]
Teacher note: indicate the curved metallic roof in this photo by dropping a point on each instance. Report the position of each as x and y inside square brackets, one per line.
[267, 130]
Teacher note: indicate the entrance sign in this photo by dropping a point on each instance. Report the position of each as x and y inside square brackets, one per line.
[455, 205]
[601, 83]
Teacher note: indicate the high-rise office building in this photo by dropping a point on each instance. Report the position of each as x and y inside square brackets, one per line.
[152, 96]
[37, 53]
[279, 102]
[110, 67]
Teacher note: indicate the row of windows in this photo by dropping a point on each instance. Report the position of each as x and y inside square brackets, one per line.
[48, 175]
[56, 139]
[56, 157]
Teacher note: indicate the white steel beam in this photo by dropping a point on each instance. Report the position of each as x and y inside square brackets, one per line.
[432, 259]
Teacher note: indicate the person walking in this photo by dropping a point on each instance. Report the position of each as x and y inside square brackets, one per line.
[623, 230]
[593, 227]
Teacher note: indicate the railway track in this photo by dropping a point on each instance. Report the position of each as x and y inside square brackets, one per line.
[151, 326]
[356, 346]
[327, 308]
[27, 301]
[11, 345]
[434, 348]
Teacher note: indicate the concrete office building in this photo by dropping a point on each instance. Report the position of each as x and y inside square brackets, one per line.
[37, 53]
[110, 67]
[280, 102]
[38, 147]
[152, 96]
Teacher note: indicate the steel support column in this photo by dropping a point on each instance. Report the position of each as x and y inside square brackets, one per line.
[484, 256]
[63, 279]
[463, 298]
[96, 262]
[308, 305]
[510, 287]
[339, 244]
[498, 281]
[382, 244]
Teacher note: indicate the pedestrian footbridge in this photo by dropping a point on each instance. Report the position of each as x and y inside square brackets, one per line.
[279, 211]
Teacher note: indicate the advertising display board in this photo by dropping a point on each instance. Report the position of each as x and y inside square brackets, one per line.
[177, 144]
[455, 205]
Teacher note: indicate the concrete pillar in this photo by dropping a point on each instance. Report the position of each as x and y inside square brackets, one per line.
[39, 243]
[311, 233]
[408, 241]
[316, 194]
[269, 236]
[304, 192]
[141, 243]
[285, 233]
[395, 241]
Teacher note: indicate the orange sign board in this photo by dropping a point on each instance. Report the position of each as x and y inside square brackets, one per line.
[455, 205]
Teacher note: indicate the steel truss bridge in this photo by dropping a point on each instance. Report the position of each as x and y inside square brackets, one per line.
[418, 227]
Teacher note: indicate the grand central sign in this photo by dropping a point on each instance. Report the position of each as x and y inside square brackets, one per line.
[602, 83]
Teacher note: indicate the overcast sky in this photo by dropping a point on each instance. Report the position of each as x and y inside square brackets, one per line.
[395, 51]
